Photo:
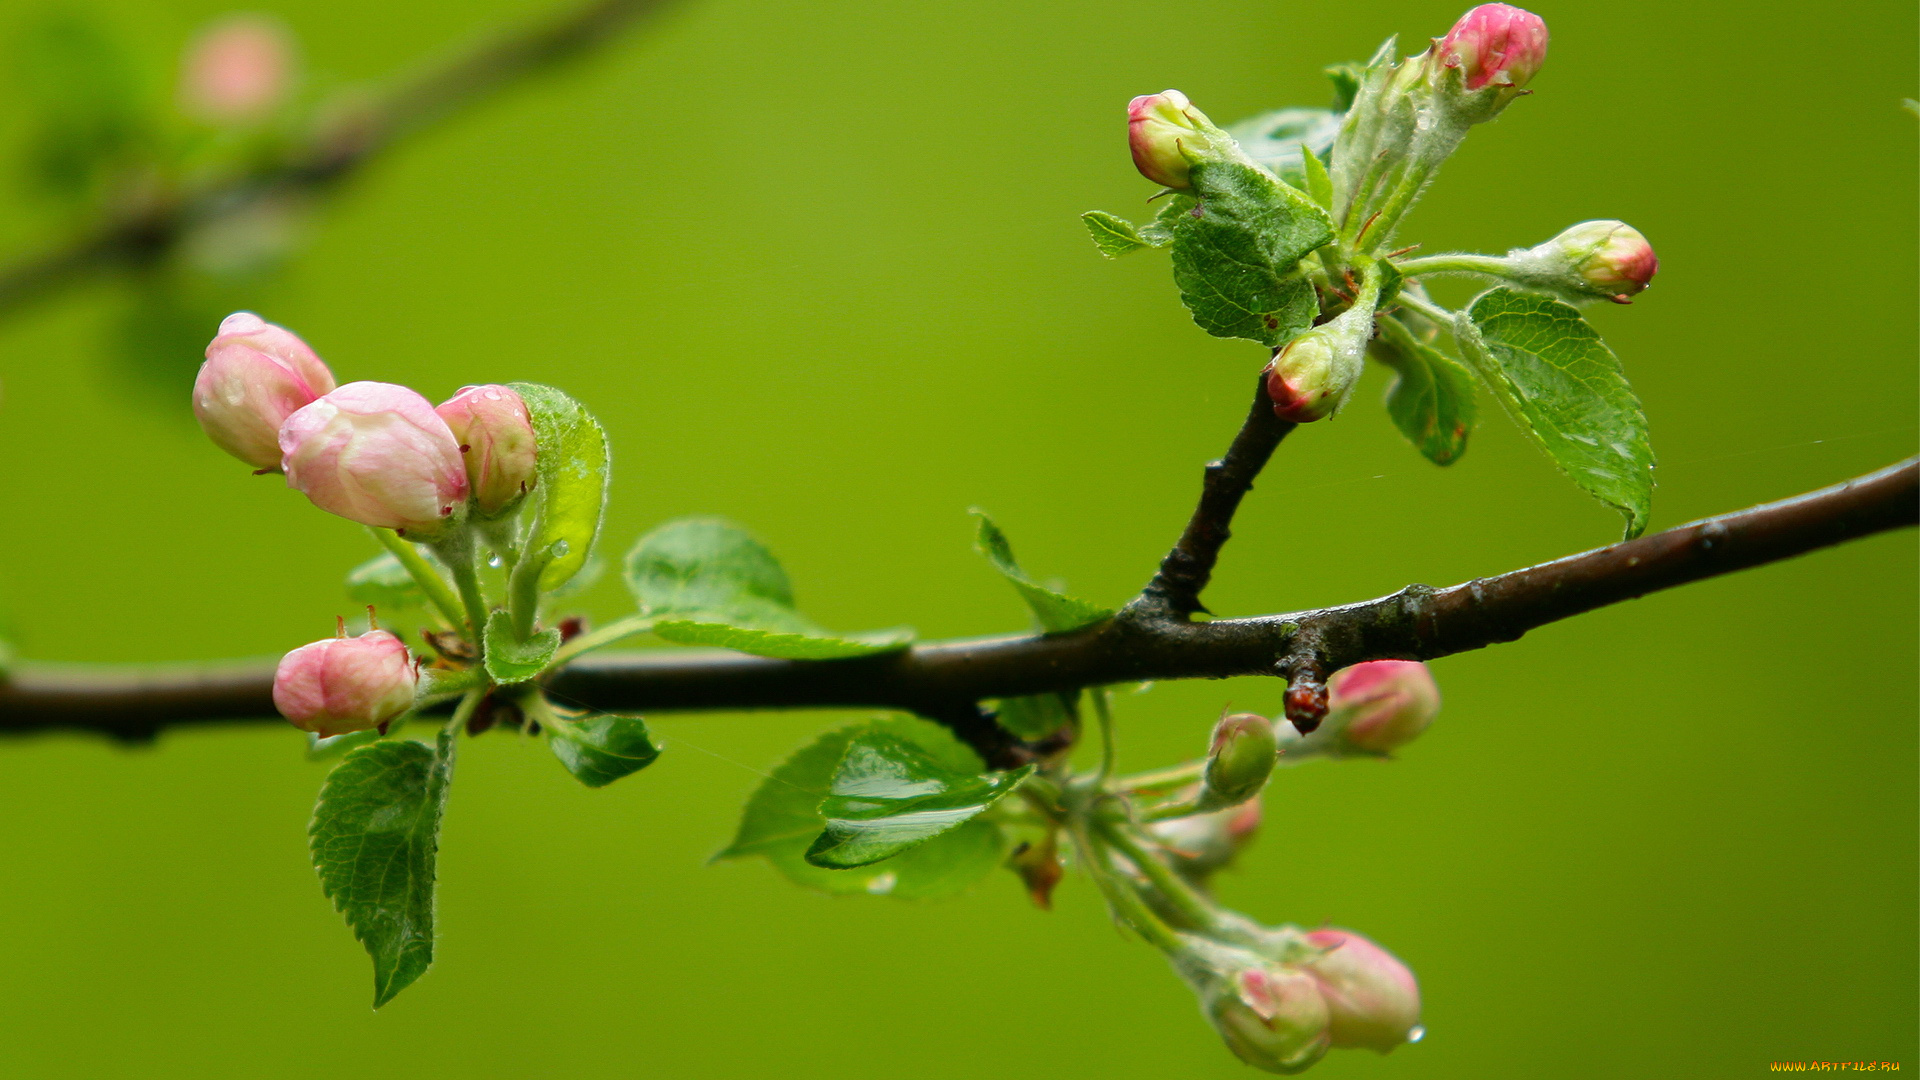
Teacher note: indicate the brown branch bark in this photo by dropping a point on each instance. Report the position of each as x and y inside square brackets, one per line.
[141, 233]
[944, 680]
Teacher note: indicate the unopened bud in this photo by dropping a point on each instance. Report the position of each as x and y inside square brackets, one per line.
[1239, 759]
[237, 70]
[1606, 259]
[1381, 705]
[495, 436]
[377, 454]
[1200, 844]
[345, 684]
[255, 376]
[1314, 374]
[1271, 1017]
[1372, 999]
[1496, 45]
[1167, 135]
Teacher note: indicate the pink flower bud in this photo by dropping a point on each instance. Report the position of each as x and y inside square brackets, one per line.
[377, 454]
[237, 70]
[496, 439]
[1272, 1017]
[256, 375]
[1372, 999]
[1166, 133]
[1496, 44]
[1304, 381]
[1613, 258]
[1387, 703]
[345, 684]
[1239, 759]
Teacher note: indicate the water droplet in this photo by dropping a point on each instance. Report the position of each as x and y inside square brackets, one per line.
[882, 884]
[560, 549]
[495, 560]
[1416, 1034]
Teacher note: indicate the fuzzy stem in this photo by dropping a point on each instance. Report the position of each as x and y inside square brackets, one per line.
[423, 574]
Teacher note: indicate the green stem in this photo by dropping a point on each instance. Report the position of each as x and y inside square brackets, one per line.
[1426, 309]
[423, 574]
[464, 711]
[1159, 780]
[1120, 895]
[457, 551]
[1104, 714]
[1456, 263]
[1178, 809]
[614, 631]
[1190, 904]
[523, 593]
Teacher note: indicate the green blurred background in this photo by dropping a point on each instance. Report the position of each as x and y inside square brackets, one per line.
[817, 268]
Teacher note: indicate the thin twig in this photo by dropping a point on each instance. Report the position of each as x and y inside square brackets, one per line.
[140, 234]
[943, 680]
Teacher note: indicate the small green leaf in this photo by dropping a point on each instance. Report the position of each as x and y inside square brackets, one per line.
[713, 584]
[782, 645]
[375, 836]
[1057, 612]
[1159, 231]
[1236, 255]
[888, 795]
[1274, 140]
[1566, 389]
[384, 583]
[1346, 83]
[1313, 172]
[1431, 399]
[1114, 236]
[601, 749]
[714, 571]
[1036, 717]
[782, 819]
[510, 660]
[571, 489]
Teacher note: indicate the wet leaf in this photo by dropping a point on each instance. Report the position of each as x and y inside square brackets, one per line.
[570, 492]
[600, 749]
[1057, 612]
[888, 796]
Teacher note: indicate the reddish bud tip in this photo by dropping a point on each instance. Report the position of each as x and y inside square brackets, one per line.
[1496, 44]
[1387, 703]
[1165, 131]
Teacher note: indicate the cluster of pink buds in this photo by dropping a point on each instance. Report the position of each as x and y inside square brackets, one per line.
[1328, 989]
[371, 452]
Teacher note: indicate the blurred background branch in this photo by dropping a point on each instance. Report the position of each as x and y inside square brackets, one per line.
[142, 196]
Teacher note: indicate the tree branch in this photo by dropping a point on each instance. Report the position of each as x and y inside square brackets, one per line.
[944, 680]
[1175, 590]
[138, 234]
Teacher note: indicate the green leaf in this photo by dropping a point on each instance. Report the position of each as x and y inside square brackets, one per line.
[711, 583]
[374, 837]
[1566, 389]
[1431, 399]
[1235, 258]
[782, 819]
[784, 646]
[1315, 181]
[1036, 717]
[1346, 83]
[571, 484]
[888, 796]
[1114, 236]
[712, 571]
[384, 583]
[601, 749]
[1159, 231]
[510, 660]
[1274, 140]
[1057, 612]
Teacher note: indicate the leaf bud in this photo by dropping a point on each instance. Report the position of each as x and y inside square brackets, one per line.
[377, 454]
[1200, 844]
[495, 436]
[1167, 135]
[345, 684]
[1381, 705]
[1372, 998]
[237, 71]
[1271, 1016]
[1497, 45]
[1239, 759]
[1592, 260]
[255, 376]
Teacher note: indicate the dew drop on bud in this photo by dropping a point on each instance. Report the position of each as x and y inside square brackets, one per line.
[494, 560]
[1414, 1035]
[560, 549]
